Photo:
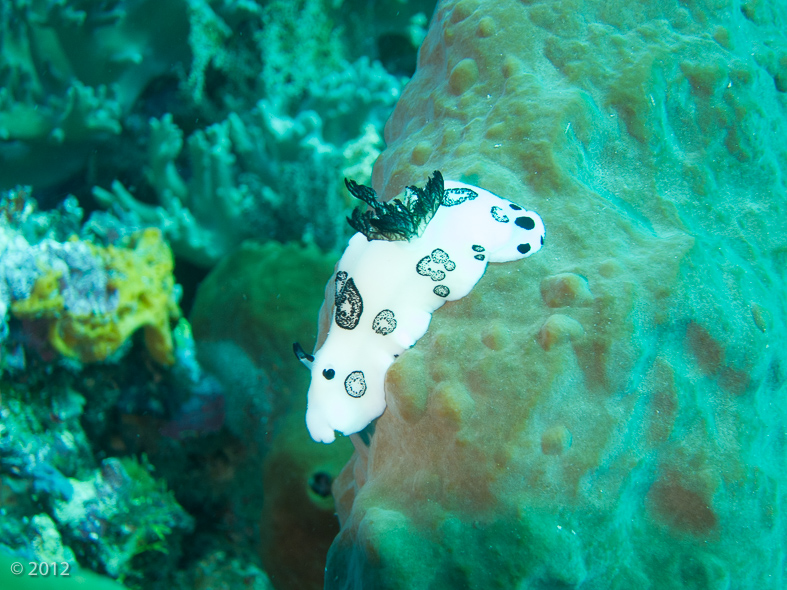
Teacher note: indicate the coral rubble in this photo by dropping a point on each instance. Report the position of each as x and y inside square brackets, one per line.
[60, 506]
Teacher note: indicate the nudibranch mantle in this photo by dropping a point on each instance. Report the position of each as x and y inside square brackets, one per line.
[387, 287]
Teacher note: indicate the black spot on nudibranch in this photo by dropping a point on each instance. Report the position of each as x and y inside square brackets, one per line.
[542, 240]
[523, 248]
[457, 196]
[515, 207]
[497, 215]
[525, 222]
[384, 322]
[349, 304]
[328, 374]
[441, 291]
[477, 248]
[355, 384]
[426, 268]
[479, 256]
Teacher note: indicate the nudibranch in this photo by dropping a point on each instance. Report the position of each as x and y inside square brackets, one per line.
[410, 256]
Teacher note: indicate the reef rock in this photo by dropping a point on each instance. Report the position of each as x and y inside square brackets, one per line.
[246, 315]
[611, 414]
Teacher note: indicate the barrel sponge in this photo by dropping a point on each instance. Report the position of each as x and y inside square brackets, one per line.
[141, 286]
[593, 419]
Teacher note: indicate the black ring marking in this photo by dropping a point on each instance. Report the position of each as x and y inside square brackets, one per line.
[349, 304]
[422, 268]
[341, 279]
[384, 322]
[457, 196]
[438, 256]
[497, 215]
[355, 384]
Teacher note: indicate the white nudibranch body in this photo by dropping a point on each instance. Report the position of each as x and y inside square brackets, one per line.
[387, 288]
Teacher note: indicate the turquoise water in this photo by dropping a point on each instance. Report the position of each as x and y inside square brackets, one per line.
[607, 414]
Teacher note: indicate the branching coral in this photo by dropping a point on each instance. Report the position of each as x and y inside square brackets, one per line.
[70, 71]
[255, 143]
[264, 175]
[318, 45]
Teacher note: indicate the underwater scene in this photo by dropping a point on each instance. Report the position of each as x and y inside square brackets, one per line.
[383, 295]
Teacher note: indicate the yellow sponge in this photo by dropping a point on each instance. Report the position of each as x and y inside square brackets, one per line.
[140, 276]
